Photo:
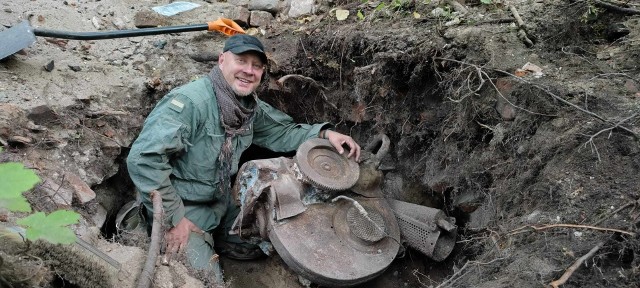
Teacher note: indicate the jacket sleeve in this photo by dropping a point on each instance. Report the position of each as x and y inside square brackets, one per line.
[276, 130]
[163, 136]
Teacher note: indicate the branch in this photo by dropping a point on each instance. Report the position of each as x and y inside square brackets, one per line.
[522, 33]
[615, 8]
[539, 228]
[575, 266]
[154, 249]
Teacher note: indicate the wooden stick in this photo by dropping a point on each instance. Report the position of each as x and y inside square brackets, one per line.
[154, 249]
[575, 266]
[518, 230]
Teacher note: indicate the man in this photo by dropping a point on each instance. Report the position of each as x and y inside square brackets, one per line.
[191, 143]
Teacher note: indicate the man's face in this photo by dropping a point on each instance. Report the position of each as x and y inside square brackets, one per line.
[243, 72]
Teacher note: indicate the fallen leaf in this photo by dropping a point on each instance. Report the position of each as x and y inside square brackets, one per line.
[342, 14]
[416, 15]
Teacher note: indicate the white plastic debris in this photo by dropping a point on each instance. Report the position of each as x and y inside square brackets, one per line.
[175, 8]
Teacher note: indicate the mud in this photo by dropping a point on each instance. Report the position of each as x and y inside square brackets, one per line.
[498, 152]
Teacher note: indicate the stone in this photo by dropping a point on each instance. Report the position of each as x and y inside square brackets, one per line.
[239, 14]
[58, 194]
[301, 8]
[481, 217]
[49, 66]
[631, 86]
[119, 23]
[148, 18]
[243, 3]
[100, 216]
[42, 114]
[75, 68]
[82, 192]
[260, 18]
[264, 5]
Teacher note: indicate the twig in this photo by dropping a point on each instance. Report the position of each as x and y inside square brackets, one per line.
[154, 248]
[593, 145]
[616, 211]
[540, 228]
[458, 273]
[575, 266]
[568, 103]
[616, 8]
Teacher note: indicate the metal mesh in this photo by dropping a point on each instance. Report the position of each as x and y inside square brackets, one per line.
[418, 235]
[370, 228]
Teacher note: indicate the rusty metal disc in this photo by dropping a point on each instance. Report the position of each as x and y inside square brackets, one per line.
[324, 167]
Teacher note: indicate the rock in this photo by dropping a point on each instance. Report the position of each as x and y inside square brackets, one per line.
[264, 5]
[438, 12]
[49, 66]
[148, 18]
[100, 217]
[301, 8]
[481, 217]
[119, 23]
[82, 192]
[19, 141]
[243, 3]
[239, 14]
[631, 86]
[96, 23]
[75, 68]
[260, 18]
[160, 44]
[204, 57]
[59, 195]
[616, 31]
[42, 114]
[284, 6]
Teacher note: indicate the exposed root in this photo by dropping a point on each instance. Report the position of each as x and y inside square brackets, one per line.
[575, 266]
[540, 228]
[615, 8]
[458, 274]
[154, 249]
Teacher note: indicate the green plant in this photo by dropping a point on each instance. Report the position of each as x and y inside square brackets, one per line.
[15, 179]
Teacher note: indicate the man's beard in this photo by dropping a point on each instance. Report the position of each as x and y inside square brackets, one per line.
[242, 94]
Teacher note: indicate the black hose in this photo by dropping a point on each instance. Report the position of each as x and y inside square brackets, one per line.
[118, 33]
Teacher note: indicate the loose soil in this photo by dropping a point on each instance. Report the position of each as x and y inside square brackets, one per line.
[504, 154]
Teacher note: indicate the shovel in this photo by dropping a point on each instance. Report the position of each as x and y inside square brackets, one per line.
[22, 35]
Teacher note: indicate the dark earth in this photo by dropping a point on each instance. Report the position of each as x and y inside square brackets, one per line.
[526, 133]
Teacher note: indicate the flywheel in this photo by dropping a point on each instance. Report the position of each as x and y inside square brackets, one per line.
[319, 161]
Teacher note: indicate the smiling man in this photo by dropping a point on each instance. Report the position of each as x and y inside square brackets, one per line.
[190, 145]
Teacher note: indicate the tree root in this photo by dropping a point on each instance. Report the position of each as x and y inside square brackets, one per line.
[575, 266]
[539, 228]
[615, 8]
[154, 249]
[522, 33]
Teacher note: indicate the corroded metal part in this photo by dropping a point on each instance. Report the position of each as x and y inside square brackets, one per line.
[320, 245]
[288, 203]
[370, 178]
[323, 167]
[426, 229]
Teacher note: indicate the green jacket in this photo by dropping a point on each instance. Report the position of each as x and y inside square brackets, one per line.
[177, 150]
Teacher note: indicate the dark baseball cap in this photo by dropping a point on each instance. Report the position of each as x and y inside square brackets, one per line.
[242, 43]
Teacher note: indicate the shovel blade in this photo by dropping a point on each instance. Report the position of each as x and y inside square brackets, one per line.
[16, 38]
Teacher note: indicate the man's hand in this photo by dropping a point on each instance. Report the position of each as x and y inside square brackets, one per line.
[338, 139]
[177, 237]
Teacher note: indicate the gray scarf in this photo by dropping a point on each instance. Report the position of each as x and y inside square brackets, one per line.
[235, 119]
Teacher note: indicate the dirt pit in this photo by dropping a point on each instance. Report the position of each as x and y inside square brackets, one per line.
[526, 133]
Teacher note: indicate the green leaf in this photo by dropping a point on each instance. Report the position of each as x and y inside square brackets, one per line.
[53, 228]
[486, 1]
[360, 15]
[380, 6]
[15, 179]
